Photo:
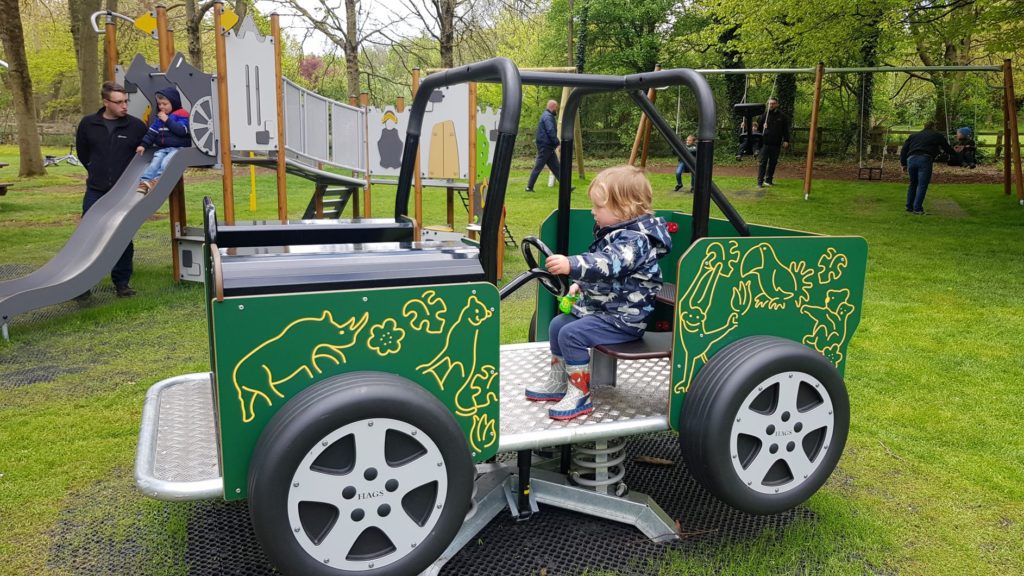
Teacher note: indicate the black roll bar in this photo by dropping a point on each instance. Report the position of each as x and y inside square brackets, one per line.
[500, 70]
[704, 189]
[680, 149]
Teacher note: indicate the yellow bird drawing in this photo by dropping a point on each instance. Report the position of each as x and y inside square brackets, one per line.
[778, 283]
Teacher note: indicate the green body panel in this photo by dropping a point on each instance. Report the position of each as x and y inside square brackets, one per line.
[269, 348]
[808, 289]
[581, 234]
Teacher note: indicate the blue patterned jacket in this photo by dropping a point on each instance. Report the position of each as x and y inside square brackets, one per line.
[619, 277]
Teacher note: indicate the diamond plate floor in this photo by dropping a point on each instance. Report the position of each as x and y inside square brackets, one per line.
[643, 391]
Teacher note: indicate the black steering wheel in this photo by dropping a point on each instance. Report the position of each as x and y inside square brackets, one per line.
[557, 285]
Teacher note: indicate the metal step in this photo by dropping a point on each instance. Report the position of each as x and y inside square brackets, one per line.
[178, 456]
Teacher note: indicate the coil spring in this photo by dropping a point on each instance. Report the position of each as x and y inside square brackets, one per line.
[599, 466]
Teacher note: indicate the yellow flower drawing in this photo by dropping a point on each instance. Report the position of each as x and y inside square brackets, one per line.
[386, 337]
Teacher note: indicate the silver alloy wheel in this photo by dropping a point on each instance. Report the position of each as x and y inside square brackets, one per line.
[382, 502]
[781, 432]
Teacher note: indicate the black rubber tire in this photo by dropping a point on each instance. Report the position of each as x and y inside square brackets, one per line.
[321, 409]
[531, 332]
[715, 397]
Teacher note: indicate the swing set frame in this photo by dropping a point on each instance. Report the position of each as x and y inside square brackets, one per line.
[1013, 175]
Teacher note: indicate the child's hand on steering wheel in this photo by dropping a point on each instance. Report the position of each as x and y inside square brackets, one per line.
[557, 264]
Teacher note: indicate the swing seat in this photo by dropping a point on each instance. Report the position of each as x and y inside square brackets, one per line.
[749, 109]
[869, 173]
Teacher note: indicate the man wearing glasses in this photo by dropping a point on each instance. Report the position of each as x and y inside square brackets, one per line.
[106, 143]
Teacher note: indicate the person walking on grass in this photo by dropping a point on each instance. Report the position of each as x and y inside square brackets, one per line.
[616, 280]
[167, 133]
[774, 137]
[916, 158]
[106, 143]
[691, 145]
[546, 139]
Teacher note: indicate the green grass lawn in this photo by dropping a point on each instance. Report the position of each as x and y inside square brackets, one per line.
[932, 480]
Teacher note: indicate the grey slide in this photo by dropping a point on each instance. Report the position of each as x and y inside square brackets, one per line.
[100, 239]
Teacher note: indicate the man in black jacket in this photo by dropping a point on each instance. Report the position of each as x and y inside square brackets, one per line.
[547, 142]
[106, 143]
[916, 157]
[774, 137]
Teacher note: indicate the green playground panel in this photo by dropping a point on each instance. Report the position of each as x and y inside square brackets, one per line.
[581, 234]
[266, 349]
[808, 289]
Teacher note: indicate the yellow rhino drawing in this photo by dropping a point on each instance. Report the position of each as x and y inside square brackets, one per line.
[261, 371]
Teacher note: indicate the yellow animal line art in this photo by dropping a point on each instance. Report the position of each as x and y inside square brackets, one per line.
[830, 324]
[298, 349]
[831, 265]
[460, 341]
[483, 434]
[776, 283]
[426, 313]
[476, 393]
[695, 334]
[386, 337]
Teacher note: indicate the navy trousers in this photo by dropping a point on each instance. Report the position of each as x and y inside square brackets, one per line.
[571, 337]
[122, 271]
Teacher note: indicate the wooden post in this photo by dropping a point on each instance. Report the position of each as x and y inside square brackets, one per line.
[353, 100]
[1011, 106]
[636, 139]
[364, 101]
[1007, 178]
[642, 128]
[400, 104]
[282, 175]
[577, 148]
[812, 134]
[175, 201]
[471, 206]
[417, 179]
[653, 95]
[225, 126]
[111, 41]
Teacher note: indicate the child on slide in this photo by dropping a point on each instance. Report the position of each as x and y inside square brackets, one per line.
[617, 281]
[167, 133]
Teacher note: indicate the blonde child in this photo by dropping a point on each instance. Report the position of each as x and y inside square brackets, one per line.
[616, 280]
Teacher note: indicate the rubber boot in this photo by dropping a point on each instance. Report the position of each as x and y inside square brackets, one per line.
[552, 389]
[576, 401]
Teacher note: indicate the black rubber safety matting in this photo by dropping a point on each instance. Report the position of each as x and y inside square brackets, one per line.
[110, 529]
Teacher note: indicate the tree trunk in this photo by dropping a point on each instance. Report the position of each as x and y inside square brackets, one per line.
[446, 21]
[13, 40]
[734, 83]
[241, 8]
[352, 47]
[87, 53]
[193, 19]
[581, 42]
[865, 96]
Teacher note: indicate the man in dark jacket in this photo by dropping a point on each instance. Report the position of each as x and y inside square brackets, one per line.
[916, 157]
[774, 137]
[547, 142]
[106, 143]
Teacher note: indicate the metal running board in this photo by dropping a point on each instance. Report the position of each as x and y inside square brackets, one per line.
[178, 457]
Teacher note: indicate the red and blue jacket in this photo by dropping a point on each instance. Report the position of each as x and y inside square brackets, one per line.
[174, 132]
